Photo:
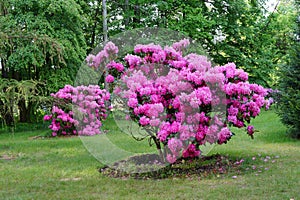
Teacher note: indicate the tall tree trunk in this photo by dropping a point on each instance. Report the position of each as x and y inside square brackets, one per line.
[104, 15]
[136, 17]
[25, 112]
[3, 71]
[95, 25]
[127, 17]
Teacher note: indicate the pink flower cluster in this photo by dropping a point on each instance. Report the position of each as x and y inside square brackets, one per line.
[101, 59]
[78, 110]
[181, 45]
[105, 59]
[181, 97]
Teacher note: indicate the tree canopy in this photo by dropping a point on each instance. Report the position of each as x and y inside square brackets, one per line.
[40, 40]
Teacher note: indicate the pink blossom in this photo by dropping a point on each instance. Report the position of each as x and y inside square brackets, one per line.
[110, 48]
[162, 135]
[109, 78]
[230, 70]
[233, 111]
[114, 65]
[269, 102]
[90, 60]
[201, 132]
[224, 135]
[87, 98]
[175, 127]
[172, 53]
[144, 121]
[198, 62]
[181, 45]
[154, 122]
[159, 57]
[132, 102]
[99, 59]
[47, 117]
[241, 74]
[171, 158]
[191, 152]
[180, 117]
[133, 60]
[175, 145]
[250, 130]
[149, 48]
[239, 124]
[179, 64]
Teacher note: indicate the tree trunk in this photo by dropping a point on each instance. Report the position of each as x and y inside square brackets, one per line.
[104, 15]
[158, 147]
[95, 25]
[25, 112]
[136, 17]
[3, 71]
[126, 10]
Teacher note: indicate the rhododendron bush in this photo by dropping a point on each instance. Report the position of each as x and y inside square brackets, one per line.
[182, 102]
[78, 110]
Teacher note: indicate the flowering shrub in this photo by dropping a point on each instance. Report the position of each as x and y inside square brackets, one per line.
[182, 101]
[78, 110]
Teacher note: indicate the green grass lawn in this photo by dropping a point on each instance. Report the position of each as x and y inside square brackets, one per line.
[62, 168]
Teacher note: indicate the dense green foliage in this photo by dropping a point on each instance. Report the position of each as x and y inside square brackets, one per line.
[41, 41]
[289, 100]
[237, 31]
[26, 94]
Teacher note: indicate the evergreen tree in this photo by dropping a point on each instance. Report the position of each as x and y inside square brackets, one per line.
[289, 101]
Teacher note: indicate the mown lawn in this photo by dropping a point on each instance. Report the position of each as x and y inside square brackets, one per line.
[62, 168]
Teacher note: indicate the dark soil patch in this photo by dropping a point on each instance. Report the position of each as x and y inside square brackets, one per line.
[149, 166]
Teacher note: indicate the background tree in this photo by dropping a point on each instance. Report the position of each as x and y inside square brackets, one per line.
[239, 31]
[91, 14]
[289, 101]
[40, 40]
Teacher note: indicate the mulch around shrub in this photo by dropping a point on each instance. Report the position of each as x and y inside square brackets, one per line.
[149, 166]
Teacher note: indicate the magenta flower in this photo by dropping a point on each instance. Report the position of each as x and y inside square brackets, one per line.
[109, 78]
[110, 48]
[250, 130]
[88, 100]
[175, 145]
[132, 102]
[171, 158]
[90, 60]
[191, 152]
[47, 117]
[144, 121]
